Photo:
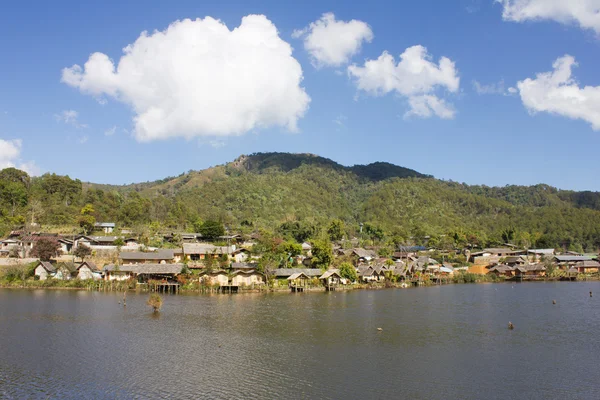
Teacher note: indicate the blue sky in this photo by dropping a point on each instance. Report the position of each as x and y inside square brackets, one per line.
[540, 132]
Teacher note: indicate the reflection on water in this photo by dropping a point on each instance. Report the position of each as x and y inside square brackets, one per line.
[439, 342]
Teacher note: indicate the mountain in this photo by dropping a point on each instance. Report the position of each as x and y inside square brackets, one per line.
[275, 190]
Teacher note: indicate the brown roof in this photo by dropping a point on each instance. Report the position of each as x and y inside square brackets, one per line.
[90, 265]
[47, 266]
[588, 264]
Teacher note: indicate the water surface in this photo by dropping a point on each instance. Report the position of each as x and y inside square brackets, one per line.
[436, 343]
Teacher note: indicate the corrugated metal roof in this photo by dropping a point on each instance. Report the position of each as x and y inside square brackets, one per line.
[172, 269]
[204, 248]
[284, 272]
[572, 258]
[104, 224]
[162, 254]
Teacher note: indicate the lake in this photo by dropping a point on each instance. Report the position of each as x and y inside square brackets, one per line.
[436, 343]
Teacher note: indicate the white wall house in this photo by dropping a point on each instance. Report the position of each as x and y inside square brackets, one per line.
[88, 270]
[44, 270]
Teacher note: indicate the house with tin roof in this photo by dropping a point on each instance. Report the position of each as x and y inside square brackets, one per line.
[161, 256]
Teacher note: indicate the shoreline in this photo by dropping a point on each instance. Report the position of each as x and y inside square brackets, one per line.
[30, 285]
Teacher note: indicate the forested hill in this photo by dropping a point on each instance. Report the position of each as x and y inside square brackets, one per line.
[277, 191]
[268, 163]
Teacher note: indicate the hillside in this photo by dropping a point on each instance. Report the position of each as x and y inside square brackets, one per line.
[267, 190]
[264, 163]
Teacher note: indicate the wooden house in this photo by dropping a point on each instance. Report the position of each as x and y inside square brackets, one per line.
[285, 273]
[533, 270]
[515, 260]
[299, 279]
[587, 266]
[143, 272]
[502, 270]
[201, 251]
[115, 273]
[247, 278]
[331, 277]
[217, 277]
[367, 273]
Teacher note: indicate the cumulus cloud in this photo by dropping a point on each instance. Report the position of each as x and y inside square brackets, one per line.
[415, 77]
[10, 153]
[197, 78]
[557, 92]
[333, 43]
[70, 117]
[585, 13]
[110, 131]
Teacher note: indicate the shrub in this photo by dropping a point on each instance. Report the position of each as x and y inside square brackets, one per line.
[155, 301]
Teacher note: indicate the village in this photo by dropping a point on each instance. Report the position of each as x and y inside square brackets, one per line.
[229, 264]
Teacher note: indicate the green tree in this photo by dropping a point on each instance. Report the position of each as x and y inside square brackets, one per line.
[322, 254]
[336, 230]
[14, 194]
[291, 249]
[374, 232]
[211, 229]
[15, 175]
[82, 251]
[45, 249]
[301, 231]
[348, 271]
[87, 221]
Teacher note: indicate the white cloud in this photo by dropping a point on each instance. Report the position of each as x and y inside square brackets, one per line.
[216, 144]
[556, 92]
[340, 120]
[10, 153]
[585, 13]
[492, 88]
[70, 117]
[197, 78]
[83, 139]
[110, 131]
[333, 43]
[415, 78]
[426, 106]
